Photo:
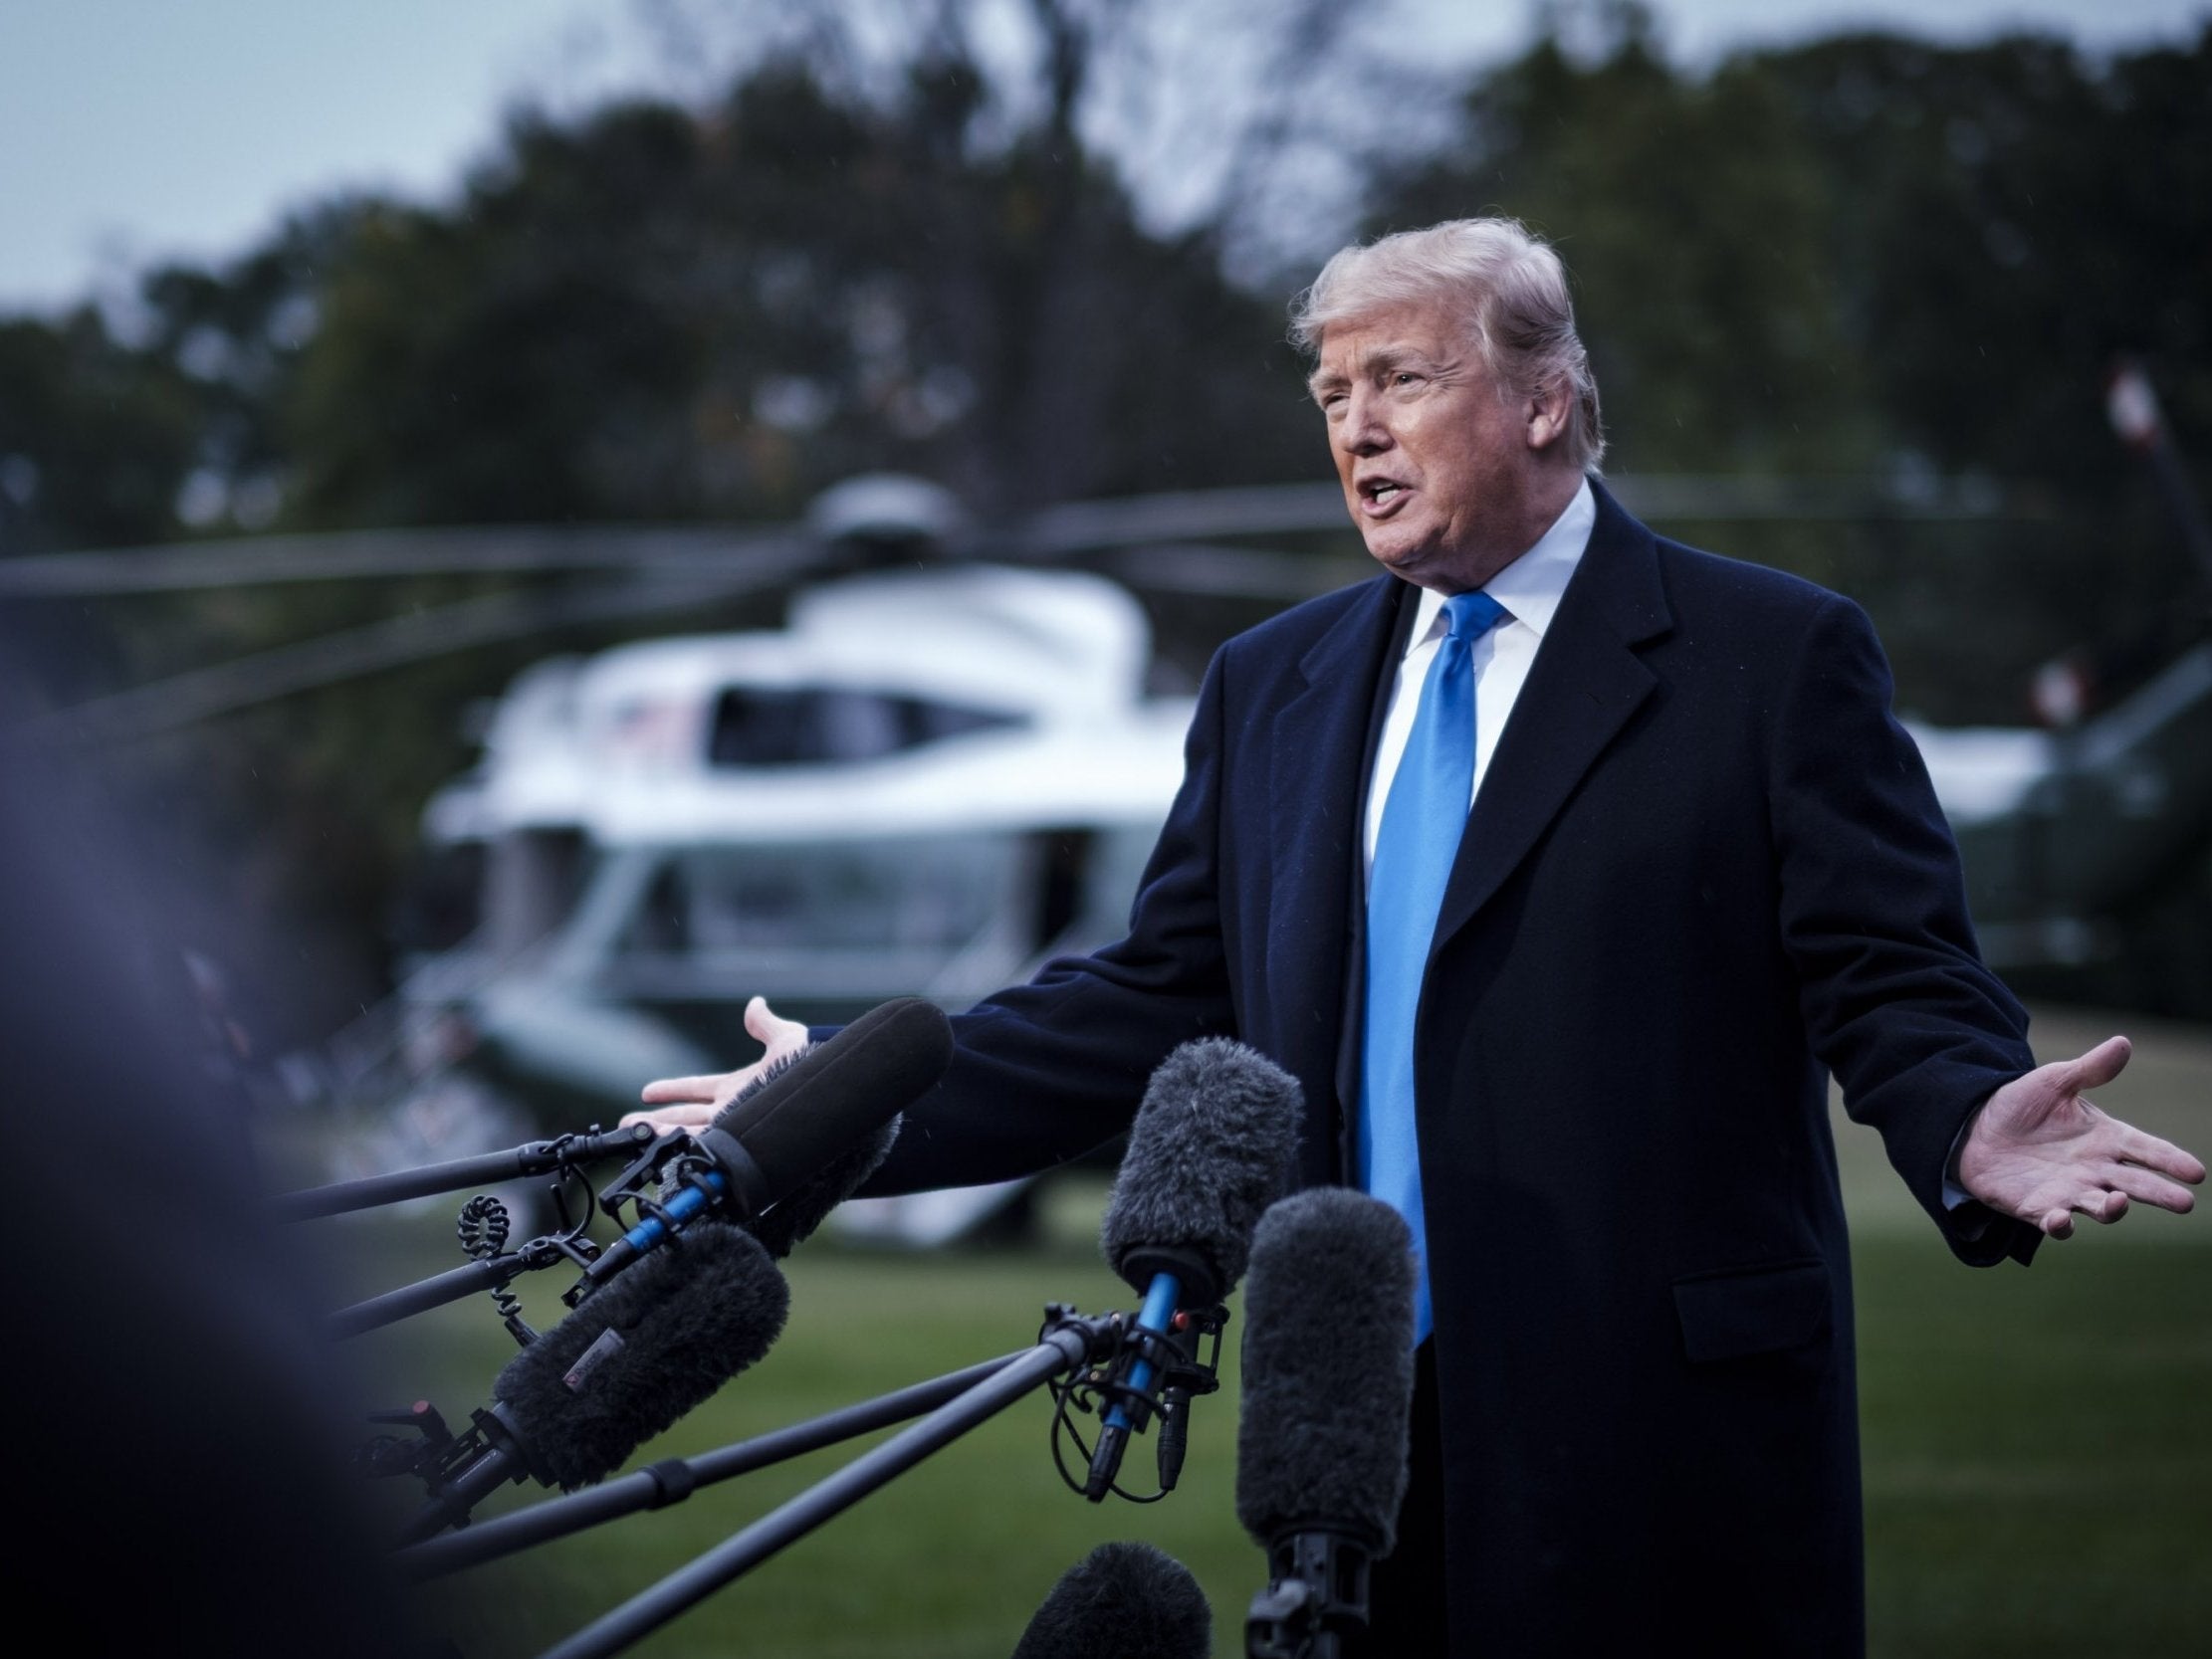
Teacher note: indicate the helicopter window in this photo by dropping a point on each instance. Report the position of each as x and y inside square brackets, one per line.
[808, 725]
[928, 722]
[913, 892]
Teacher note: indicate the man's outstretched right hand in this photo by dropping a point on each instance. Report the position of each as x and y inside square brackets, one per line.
[690, 1103]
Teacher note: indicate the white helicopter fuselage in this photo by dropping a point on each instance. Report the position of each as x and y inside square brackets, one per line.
[929, 783]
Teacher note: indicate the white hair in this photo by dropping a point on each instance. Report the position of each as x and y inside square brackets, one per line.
[1505, 285]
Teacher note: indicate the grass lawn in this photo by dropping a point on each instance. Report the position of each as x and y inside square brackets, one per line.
[2038, 1444]
[2038, 1447]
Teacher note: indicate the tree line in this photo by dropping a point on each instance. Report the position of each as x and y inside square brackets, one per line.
[1865, 255]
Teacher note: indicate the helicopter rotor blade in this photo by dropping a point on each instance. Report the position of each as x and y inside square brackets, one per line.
[391, 642]
[339, 554]
[1058, 533]
[1201, 515]
[1707, 496]
[1172, 541]
[1054, 534]
[1213, 570]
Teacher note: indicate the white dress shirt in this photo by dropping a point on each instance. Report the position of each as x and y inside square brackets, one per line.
[1529, 588]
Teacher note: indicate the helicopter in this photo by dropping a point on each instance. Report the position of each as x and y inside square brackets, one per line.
[928, 781]
[925, 781]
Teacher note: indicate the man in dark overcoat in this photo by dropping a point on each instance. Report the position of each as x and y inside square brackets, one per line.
[1586, 1044]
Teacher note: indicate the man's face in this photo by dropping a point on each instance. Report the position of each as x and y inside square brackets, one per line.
[1439, 471]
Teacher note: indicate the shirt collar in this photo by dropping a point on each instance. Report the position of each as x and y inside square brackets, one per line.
[1531, 586]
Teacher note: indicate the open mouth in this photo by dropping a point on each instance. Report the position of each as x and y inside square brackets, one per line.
[1380, 494]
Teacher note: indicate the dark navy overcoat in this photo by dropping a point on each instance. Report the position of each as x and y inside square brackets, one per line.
[1705, 871]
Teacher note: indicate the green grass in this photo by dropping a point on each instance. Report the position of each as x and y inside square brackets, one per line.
[2037, 1444]
[2037, 1448]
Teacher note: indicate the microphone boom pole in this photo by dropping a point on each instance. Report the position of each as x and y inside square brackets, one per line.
[454, 1285]
[536, 1158]
[674, 1480]
[1069, 1340]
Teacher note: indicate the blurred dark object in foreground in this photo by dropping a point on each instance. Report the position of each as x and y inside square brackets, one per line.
[175, 1425]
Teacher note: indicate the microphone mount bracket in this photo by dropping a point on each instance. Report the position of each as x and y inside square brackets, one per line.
[1317, 1596]
[649, 1182]
[416, 1454]
[672, 1182]
[1185, 1363]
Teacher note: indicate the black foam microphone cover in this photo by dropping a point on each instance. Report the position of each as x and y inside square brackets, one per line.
[776, 1139]
[794, 1219]
[647, 1347]
[1122, 1602]
[1328, 1363]
[1208, 1152]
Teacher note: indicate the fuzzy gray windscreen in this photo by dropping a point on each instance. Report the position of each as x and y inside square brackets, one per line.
[1122, 1602]
[1210, 1150]
[1328, 1368]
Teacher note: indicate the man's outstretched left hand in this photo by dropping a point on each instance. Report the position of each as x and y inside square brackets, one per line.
[2039, 1149]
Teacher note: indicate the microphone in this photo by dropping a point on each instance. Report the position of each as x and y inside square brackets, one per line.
[793, 1221]
[570, 1408]
[1321, 1446]
[1122, 1602]
[1208, 1153]
[777, 1145]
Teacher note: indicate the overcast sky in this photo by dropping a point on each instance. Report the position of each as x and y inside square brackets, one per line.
[137, 130]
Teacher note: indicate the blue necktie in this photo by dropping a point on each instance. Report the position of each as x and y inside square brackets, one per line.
[1422, 820]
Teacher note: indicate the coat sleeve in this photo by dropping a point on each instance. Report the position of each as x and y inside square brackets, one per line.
[1896, 998]
[1047, 1070]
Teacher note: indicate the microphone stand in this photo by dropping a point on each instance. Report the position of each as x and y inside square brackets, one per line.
[672, 1481]
[1068, 1342]
[453, 1285]
[1317, 1595]
[536, 1158]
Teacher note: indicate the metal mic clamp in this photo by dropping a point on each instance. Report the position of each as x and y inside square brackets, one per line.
[468, 1469]
[1130, 1397]
[1318, 1597]
[689, 1183]
[1151, 1373]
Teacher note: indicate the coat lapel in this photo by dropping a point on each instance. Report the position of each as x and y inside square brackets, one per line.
[1316, 782]
[1585, 682]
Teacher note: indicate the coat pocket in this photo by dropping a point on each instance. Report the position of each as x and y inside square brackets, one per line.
[1746, 1310]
